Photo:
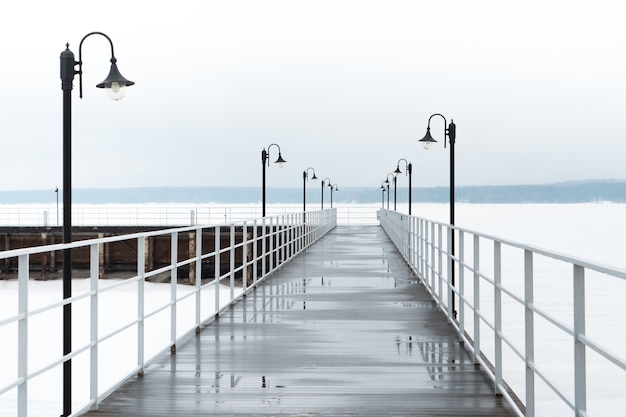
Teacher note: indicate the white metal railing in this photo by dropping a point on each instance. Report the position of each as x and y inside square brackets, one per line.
[262, 246]
[168, 215]
[524, 314]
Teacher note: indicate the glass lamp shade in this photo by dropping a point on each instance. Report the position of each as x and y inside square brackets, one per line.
[115, 84]
[116, 91]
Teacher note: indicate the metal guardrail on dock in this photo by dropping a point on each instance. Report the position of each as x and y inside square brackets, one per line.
[105, 311]
[540, 323]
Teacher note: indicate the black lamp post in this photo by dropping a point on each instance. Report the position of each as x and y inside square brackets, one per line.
[409, 170]
[265, 158]
[331, 192]
[382, 196]
[56, 191]
[115, 85]
[387, 182]
[427, 141]
[305, 178]
[324, 182]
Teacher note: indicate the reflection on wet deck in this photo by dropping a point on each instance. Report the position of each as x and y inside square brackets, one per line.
[343, 330]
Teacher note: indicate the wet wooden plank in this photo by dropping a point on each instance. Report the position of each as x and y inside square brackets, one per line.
[343, 330]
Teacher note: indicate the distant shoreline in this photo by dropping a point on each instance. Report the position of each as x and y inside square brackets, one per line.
[565, 192]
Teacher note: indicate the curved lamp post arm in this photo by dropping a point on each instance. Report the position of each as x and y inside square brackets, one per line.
[407, 167]
[265, 156]
[114, 80]
[306, 176]
[449, 131]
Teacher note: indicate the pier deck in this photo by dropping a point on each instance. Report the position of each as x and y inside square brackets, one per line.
[345, 329]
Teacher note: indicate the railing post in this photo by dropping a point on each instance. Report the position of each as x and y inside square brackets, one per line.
[529, 333]
[232, 262]
[461, 287]
[255, 253]
[173, 283]
[141, 271]
[93, 327]
[281, 240]
[497, 314]
[432, 253]
[22, 336]
[217, 259]
[244, 258]
[198, 283]
[263, 248]
[440, 262]
[271, 251]
[414, 243]
[580, 356]
[450, 264]
[477, 341]
[293, 239]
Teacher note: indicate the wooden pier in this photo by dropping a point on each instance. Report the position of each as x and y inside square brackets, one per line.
[345, 329]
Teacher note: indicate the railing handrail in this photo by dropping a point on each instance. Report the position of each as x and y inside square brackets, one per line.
[273, 242]
[429, 252]
[587, 264]
[168, 215]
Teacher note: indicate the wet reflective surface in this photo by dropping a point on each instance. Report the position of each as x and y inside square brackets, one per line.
[343, 330]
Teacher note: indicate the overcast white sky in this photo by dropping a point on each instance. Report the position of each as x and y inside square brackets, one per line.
[536, 89]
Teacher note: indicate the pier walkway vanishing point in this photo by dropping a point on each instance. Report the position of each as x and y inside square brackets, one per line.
[344, 329]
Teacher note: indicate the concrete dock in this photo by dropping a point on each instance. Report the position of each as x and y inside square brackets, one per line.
[345, 329]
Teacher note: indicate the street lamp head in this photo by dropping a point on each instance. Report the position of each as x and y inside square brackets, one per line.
[280, 161]
[427, 140]
[306, 176]
[115, 84]
[397, 171]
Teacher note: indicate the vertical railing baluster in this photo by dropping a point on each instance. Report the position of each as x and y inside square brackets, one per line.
[283, 241]
[255, 253]
[93, 326]
[263, 248]
[477, 336]
[432, 255]
[440, 263]
[450, 263]
[22, 336]
[218, 273]
[529, 332]
[198, 283]
[244, 258]
[497, 314]
[461, 285]
[580, 355]
[232, 262]
[173, 283]
[271, 249]
[141, 272]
